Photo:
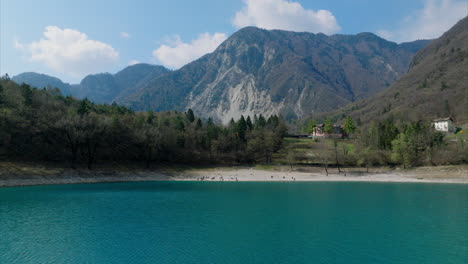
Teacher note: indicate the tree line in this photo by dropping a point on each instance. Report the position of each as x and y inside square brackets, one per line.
[44, 125]
[389, 143]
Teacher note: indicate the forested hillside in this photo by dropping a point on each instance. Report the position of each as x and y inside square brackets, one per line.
[435, 86]
[43, 125]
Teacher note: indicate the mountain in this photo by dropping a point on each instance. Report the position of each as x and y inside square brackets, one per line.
[41, 81]
[99, 88]
[258, 71]
[414, 46]
[131, 78]
[105, 87]
[436, 84]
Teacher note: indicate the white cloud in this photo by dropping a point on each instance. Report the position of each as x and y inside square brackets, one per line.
[436, 17]
[133, 62]
[178, 53]
[285, 15]
[70, 52]
[125, 35]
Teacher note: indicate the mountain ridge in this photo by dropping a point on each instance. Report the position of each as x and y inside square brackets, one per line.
[434, 87]
[277, 72]
[100, 87]
[258, 71]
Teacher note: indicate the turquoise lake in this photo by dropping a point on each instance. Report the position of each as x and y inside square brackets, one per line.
[229, 222]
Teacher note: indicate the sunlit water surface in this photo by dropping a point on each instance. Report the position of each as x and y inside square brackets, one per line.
[200, 222]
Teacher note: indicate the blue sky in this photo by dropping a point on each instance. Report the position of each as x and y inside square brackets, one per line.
[70, 39]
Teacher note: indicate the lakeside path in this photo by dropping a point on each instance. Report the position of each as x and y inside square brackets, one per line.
[446, 174]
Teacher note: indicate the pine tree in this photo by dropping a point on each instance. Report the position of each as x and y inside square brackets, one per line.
[274, 121]
[199, 124]
[241, 128]
[84, 107]
[232, 123]
[261, 122]
[27, 94]
[249, 123]
[255, 119]
[349, 125]
[190, 116]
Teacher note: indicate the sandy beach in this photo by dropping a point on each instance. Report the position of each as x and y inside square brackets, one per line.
[278, 176]
[25, 177]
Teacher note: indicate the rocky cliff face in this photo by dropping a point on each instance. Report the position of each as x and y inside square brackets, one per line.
[294, 74]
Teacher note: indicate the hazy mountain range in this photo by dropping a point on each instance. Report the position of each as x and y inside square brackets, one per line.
[100, 88]
[255, 71]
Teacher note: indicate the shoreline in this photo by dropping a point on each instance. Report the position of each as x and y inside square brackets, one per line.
[446, 174]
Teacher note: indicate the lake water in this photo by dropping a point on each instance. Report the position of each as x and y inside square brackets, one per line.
[200, 222]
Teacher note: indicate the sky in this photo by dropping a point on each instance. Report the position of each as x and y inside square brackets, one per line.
[69, 39]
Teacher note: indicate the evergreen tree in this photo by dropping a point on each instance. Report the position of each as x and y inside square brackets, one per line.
[190, 116]
[241, 128]
[328, 129]
[274, 121]
[199, 124]
[401, 150]
[27, 94]
[151, 117]
[180, 126]
[210, 122]
[232, 123]
[261, 123]
[84, 107]
[249, 123]
[310, 126]
[349, 125]
[386, 133]
[255, 121]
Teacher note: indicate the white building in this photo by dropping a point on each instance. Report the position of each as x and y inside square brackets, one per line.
[444, 125]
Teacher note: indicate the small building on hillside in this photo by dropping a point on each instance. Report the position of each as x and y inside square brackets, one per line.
[319, 132]
[444, 125]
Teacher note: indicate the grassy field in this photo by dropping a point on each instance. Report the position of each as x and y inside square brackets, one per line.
[308, 151]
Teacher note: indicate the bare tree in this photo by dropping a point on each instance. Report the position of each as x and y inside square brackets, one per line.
[95, 128]
[335, 148]
[71, 129]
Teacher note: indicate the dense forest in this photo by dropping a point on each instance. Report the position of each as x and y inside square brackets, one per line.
[45, 126]
[42, 125]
